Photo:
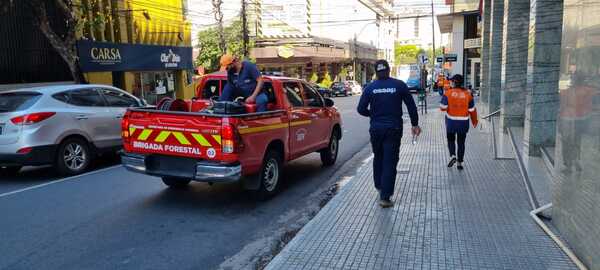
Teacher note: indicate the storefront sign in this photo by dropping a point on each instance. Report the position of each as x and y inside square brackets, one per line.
[472, 43]
[285, 51]
[439, 59]
[450, 57]
[103, 56]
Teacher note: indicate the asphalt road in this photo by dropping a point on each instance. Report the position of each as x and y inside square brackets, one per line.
[114, 219]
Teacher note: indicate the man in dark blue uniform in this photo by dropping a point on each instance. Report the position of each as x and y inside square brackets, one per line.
[382, 102]
[243, 79]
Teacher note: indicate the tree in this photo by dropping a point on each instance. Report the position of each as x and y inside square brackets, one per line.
[210, 51]
[406, 54]
[61, 33]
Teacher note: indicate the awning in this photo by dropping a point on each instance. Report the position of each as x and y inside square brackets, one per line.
[445, 20]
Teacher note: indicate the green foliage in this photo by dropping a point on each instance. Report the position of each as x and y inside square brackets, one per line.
[313, 78]
[208, 43]
[326, 82]
[406, 54]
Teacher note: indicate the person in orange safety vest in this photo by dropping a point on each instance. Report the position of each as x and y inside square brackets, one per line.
[447, 85]
[459, 106]
[439, 85]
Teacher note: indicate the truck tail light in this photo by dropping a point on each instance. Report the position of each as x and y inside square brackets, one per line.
[30, 119]
[125, 129]
[227, 138]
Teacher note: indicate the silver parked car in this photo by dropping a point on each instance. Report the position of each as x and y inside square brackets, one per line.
[62, 125]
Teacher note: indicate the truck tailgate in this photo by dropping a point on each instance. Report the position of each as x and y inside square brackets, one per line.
[172, 133]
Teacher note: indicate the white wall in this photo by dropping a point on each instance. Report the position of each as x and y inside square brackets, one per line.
[457, 44]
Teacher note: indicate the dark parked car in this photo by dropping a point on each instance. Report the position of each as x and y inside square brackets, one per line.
[341, 89]
[324, 91]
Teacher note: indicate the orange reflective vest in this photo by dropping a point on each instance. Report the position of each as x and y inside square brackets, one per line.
[459, 105]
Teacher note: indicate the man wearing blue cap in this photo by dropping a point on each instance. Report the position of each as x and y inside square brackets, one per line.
[382, 101]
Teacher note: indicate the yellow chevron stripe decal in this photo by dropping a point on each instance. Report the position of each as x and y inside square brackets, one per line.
[162, 136]
[131, 130]
[145, 134]
[181, 138]
[217, 138]
[200, 139]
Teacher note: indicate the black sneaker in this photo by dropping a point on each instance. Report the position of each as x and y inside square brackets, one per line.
[460, 166]
[451, 163]
[386, 203]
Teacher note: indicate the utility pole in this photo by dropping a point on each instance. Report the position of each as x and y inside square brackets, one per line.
[434, 57]
[245, 29]
[219, 18]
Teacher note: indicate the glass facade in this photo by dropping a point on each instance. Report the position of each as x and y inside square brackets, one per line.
[153, 86]
[577, 165]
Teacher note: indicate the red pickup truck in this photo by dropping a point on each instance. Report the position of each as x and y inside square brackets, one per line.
[183, 141]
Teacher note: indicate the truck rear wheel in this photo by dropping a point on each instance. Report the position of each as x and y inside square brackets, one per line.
[176, 183]
[269, 175]
[329, 154]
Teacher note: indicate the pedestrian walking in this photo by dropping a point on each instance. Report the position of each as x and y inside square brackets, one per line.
[459, 106]
[381, 101]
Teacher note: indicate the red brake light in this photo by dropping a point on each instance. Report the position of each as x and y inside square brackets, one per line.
[228, 137]
[33, 118]
[227, 132]
[125, 130]
[25, 150]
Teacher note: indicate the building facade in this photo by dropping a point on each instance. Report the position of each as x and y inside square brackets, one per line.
[305, 37]
[541, 70]
[141, 46]
[463, 49]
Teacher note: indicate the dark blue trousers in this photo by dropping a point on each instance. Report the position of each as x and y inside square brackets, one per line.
[229, 93]
[386, 149]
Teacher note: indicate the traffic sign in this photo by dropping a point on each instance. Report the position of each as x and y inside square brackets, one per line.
[450, 57]
[423, 59]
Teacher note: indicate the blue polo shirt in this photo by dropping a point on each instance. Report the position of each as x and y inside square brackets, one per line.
[382, 102]
[247, 78]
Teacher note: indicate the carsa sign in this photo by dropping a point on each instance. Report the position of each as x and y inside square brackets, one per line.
[104, 56]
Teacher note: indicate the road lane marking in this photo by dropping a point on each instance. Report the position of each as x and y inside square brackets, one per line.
[57, 181]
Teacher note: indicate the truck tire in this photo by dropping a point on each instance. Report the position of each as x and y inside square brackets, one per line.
[176, 183]
[73, 156]
[329, 154]
[269, 175]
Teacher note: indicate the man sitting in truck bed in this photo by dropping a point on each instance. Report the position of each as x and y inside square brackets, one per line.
[248, 82]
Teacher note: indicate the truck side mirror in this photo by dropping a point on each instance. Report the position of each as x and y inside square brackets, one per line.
[329, 102]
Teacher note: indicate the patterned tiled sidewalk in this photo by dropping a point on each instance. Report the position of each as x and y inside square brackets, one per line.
[443, 218]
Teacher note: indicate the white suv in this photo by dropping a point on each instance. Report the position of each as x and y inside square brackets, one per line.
[356, 88]
[64, 125]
